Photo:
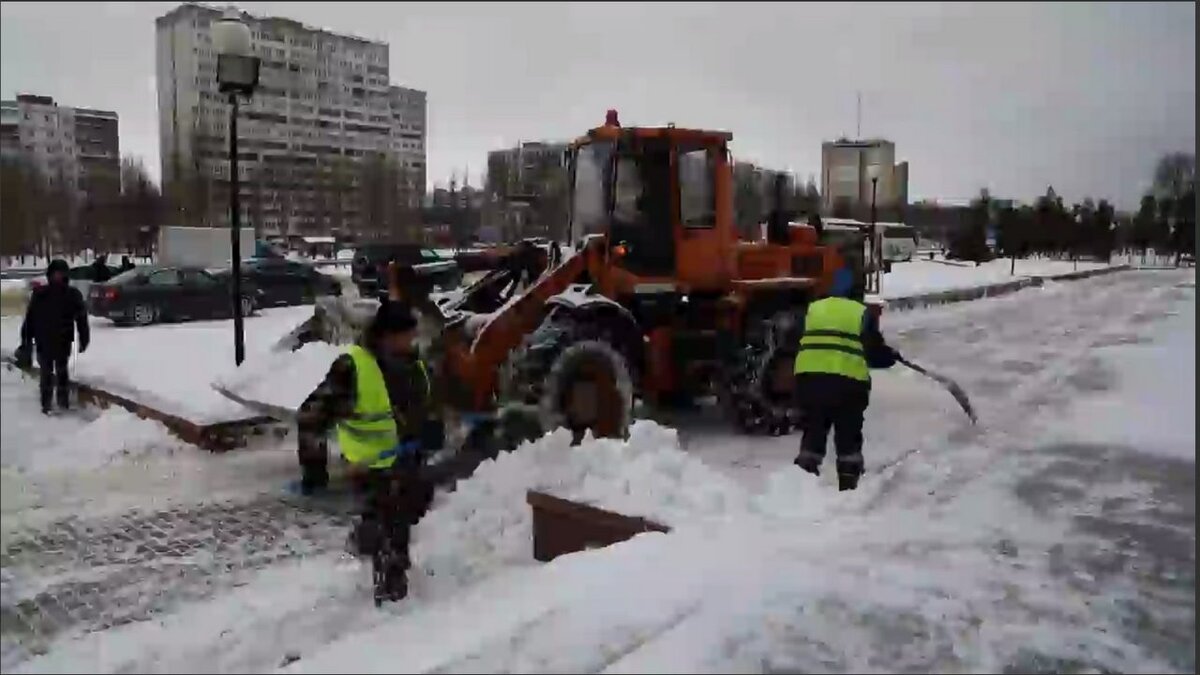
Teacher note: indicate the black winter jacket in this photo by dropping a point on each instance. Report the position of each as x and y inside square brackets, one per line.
[56, 311]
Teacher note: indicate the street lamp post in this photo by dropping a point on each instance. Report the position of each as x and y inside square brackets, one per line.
[873, 173]
[237, 75]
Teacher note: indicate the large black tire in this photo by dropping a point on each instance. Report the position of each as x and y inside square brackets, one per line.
[570, 373]
[759, 390]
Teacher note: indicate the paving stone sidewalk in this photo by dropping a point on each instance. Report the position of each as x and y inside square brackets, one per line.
[80, 575]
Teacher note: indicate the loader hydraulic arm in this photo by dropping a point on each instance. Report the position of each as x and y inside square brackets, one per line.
[476, 363]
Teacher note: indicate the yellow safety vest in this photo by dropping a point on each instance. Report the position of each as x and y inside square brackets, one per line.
[832, 340]
[369, 436]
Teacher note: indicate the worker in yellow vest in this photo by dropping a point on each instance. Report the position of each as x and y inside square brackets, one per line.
[840, 343]
[378, 397]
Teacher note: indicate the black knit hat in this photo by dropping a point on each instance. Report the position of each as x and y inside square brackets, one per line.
[57, 265]
[393, 317]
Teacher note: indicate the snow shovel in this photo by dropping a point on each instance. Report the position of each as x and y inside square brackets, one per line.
[950, 385]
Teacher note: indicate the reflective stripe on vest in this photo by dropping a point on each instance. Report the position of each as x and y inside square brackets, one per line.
[367, 436]
[832, 341]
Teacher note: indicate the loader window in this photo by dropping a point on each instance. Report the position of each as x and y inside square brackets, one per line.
[697, 205]
[588, 207]
[627, 200]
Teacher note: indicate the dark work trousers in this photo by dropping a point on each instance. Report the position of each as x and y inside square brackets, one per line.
[838, 403]
[394, 500]
[52, 367]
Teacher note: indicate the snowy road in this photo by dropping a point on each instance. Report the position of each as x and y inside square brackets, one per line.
[1059, 535]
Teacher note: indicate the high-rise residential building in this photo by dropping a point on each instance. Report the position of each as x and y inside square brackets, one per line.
[846, 177]
[76, 148]
[529, 183]
[327, 144]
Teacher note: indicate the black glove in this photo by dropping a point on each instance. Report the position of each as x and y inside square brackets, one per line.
[433, 435]
[24, 356]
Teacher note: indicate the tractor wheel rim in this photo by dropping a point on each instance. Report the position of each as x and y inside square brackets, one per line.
[592, 400]
[779, 377]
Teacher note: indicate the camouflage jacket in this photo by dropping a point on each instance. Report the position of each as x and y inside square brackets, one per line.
[411, 394]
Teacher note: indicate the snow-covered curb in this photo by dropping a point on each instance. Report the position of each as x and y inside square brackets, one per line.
[990, 290]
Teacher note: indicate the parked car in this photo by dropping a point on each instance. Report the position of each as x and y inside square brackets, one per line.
[371, 260]
[147, 295]
[289, 282]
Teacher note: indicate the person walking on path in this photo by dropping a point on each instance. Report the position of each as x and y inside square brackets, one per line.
[55, 314]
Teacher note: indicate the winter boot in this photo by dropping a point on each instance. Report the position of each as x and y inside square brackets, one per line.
[809, 462]
[391, 585]
[390, 572]
[847, 481]
[365, 538]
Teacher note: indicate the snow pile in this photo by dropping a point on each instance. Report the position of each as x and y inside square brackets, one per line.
[115, 434]
[282, 379]
[485, 524]
[79, 440]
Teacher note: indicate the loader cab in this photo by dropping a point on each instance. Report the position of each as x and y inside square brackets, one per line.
[655, 193]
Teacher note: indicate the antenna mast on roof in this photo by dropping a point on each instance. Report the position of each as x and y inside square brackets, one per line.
[858, 117]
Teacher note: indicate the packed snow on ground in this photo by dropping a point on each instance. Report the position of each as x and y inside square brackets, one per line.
[928, 276]
[95, 462]
[76, 440]
[1152, 403]
[171, 366]
[80, 439]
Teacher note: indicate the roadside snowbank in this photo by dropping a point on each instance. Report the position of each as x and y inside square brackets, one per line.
[927, 276]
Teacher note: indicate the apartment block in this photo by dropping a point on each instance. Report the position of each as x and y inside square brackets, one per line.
[846, 177]
[325, 112]
[529, 183]
[78, 148]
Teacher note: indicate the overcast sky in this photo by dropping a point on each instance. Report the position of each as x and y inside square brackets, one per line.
[1011, 96]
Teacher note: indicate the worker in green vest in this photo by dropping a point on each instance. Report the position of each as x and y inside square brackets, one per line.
[840, 343]
[379, 399]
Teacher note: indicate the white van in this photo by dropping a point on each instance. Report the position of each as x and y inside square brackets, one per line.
[898, 243]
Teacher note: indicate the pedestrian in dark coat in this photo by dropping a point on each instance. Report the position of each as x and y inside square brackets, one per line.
[126, 263]
[100, 271]
[56, 312]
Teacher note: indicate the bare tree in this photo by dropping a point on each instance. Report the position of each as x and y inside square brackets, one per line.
[22, 202]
